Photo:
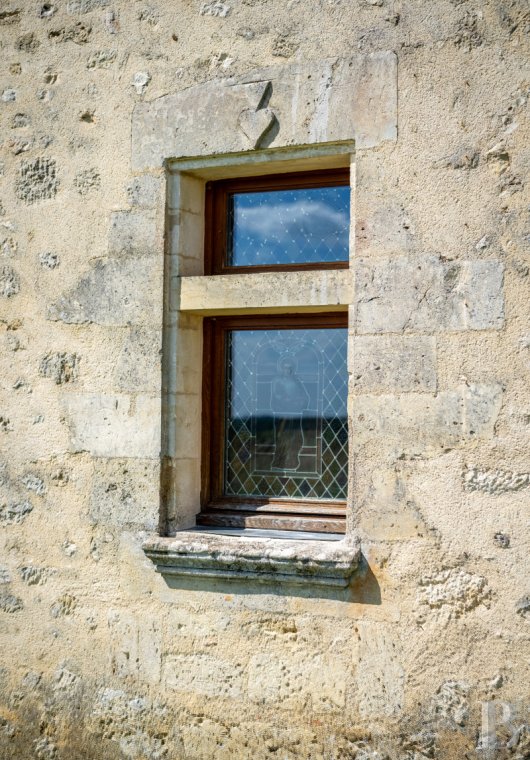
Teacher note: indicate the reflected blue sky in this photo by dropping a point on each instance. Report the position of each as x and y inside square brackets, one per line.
[309, 225]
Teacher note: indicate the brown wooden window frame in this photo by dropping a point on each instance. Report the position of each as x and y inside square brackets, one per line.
[217, 194]
[236, 512]
[217, 510]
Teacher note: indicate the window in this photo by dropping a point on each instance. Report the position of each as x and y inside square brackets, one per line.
[275, 437]
[281, 222]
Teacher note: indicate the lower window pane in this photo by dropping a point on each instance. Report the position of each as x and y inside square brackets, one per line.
[286, 433]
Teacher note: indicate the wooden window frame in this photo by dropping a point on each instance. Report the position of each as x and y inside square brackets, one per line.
[216, 207]
[270, 513]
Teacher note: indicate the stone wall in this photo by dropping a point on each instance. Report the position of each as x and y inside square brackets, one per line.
[100, 656]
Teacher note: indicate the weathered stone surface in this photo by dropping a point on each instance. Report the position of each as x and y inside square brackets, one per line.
[37, 180]
[114, 426]
[301, 291]
[193, 553]
[449, 418]
[138, 366]
[63, 606]
[78, 33]
[389, 511]
[298, 682]
[78, 7]
[9, 282]
[134, 232]
[101, 59]
[337, 99]
[110, 294]
[125, 493]
[10, 603]
[452, 591]
[87, 181]
[145, 191]
[14, 512]
[523, 606]
[495, 481]
[203, 674]
[450, 705]
[136, 646]
[33, 482]
[380, 677]
[49, 260]
[387, 363]
[425, 294]
[34, 576]
[60, 367]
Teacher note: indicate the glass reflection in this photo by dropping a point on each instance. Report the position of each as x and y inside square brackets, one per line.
[285, 418]
[272, 227]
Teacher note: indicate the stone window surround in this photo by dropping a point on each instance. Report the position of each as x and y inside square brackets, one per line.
[284, 118]
[189, 296]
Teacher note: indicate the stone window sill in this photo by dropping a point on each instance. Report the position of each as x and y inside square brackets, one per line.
[256, 555]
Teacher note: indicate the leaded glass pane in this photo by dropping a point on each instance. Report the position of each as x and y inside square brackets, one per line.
[300, 226]
[286, 431]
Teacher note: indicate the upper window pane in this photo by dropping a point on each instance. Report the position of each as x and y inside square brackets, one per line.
[291, 226]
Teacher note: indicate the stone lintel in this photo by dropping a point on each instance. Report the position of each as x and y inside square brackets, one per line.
[262, 560]
[270, 292]
[330, 100]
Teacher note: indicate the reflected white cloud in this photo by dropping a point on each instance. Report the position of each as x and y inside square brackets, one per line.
[287, 222]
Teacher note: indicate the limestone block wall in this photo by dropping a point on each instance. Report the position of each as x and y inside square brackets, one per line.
[102, 658]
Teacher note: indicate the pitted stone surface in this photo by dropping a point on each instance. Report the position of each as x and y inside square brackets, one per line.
[456, 590]
[37, 180]
[60, 367]
[9, 282]
[495, 481]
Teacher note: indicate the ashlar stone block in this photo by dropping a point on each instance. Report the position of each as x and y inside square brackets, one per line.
[125, 492]
[135, 646]
[449, 418]
[382, 363]
[380, 676]
[203, 674]
[333, 100]
[139, 365]
[300, 681]
[114, 425]
[114, 291]
[427, 294]
[134, 232]
[266, 292]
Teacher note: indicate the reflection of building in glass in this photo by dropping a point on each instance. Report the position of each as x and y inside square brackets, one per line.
[287, 407]
[289, 400]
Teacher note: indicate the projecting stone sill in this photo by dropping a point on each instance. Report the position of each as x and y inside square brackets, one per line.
[254, 556]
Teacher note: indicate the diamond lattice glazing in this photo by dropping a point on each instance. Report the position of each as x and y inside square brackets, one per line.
[273, 227]
[286, 429]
